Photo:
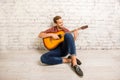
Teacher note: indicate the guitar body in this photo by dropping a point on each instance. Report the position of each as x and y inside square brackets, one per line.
[51, 43]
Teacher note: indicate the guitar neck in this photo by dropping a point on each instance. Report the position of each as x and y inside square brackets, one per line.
[74, 30]
[80, 28]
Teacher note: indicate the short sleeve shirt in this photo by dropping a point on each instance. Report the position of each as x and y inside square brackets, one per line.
[54, 29]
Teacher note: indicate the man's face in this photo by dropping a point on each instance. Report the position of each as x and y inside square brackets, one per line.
[59, 22]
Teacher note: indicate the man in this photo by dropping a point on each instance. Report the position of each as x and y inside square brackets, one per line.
[55, 56]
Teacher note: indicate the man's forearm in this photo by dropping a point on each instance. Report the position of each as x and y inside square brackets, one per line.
[44, 35]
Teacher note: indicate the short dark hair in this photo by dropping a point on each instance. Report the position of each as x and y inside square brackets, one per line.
[56, 18]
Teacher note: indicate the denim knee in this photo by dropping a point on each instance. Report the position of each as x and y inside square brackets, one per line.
[68, 35]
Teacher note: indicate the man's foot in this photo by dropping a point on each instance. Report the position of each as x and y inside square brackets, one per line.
[78, 61]
[77, 69]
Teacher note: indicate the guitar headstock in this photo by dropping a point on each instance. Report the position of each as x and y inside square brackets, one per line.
[84, 27]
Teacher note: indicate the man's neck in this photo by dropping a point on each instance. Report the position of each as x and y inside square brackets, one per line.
[59, 28]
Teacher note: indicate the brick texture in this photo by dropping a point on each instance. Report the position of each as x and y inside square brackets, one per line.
[22, 20]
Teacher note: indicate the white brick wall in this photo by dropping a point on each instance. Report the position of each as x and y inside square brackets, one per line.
[22, 20]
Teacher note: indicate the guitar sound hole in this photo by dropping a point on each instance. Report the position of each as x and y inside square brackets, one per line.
[60, 36]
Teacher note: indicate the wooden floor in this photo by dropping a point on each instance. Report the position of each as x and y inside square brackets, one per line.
[25, 65]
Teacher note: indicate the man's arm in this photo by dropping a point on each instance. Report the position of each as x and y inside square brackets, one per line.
[44, 35]
[75, 34]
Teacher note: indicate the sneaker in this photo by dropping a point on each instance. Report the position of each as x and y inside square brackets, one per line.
[77, 69]
[78, 61]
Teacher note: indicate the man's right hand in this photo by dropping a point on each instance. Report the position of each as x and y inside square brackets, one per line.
[55, 36]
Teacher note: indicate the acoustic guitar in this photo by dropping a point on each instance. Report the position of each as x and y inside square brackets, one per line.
[51, 43]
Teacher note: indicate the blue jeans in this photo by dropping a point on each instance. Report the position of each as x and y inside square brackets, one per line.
[55, 56]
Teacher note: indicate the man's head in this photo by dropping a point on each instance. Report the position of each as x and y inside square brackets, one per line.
[58, 21]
